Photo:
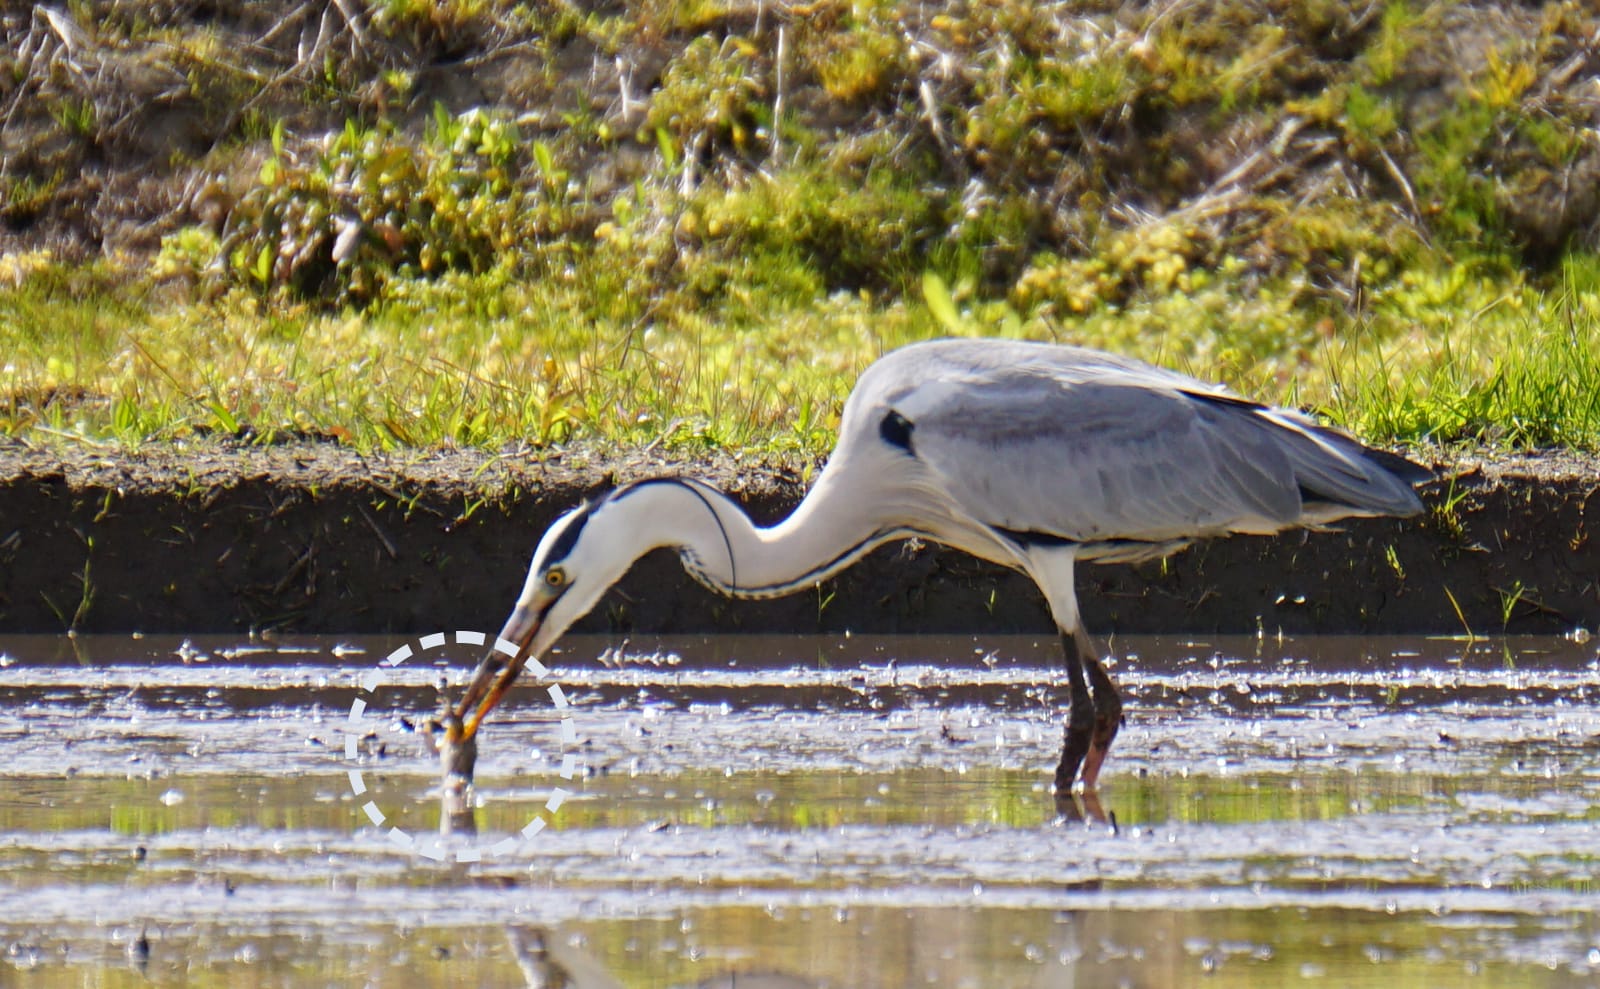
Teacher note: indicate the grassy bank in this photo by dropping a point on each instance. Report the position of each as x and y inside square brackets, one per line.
[1480, 363]
[693, 224]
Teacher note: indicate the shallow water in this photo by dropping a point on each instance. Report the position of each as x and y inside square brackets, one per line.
[858, 812]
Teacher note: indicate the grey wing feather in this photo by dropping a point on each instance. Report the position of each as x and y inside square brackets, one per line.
[1092, 448]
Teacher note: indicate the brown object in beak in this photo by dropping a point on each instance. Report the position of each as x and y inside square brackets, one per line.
[458, 751]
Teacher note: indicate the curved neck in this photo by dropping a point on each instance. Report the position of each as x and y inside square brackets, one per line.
[723, 549]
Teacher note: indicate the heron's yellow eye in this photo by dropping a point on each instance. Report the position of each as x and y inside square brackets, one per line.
[555, 577]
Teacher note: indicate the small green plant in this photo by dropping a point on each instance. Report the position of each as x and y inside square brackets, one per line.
[1445, 514]
[825, 597]
[25, 195]
[1504, 81]
[1395, 566]
[77, 116]
[86, 593]
[1461, 617]
[1510, 598]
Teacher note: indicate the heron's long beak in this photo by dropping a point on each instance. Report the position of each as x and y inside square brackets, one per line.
[494, 675]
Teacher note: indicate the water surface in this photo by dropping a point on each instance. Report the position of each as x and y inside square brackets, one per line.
[814, 812]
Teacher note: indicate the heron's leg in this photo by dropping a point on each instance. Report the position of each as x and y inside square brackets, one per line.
[1107, 710]
[1079, 734]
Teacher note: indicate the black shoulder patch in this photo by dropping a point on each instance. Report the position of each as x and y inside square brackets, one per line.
[896, 431]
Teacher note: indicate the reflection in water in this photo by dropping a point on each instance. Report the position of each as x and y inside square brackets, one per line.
[546, 962]
[1082, 807]
[787, 813]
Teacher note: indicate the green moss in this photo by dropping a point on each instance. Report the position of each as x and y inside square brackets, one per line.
[867, 231]
[1369, 119]
[24, 196]
[710, 92]
[856, 57]
[347, 223]
[1400, 29]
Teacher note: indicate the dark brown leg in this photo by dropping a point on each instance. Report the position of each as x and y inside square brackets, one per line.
[1093, 718]
[1107, 720]
[1078, 737]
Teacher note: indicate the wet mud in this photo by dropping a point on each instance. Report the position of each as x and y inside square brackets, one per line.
[317, 538]
[785, 812]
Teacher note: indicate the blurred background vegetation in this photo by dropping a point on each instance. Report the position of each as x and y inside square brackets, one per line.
[400, 223]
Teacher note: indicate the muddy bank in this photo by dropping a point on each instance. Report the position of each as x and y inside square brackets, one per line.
[318, 538]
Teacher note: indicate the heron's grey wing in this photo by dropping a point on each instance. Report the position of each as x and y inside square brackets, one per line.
[1102, 458]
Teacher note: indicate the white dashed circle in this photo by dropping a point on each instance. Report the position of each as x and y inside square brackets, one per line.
[434, 847]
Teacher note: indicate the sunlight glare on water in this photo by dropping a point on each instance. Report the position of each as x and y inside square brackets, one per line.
[800, 812]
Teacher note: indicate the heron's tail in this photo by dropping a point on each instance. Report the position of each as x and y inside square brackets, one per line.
[1340, 476]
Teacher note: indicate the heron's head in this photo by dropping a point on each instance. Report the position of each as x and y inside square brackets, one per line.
[582, 554]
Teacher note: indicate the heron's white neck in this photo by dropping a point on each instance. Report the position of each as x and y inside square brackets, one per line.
[728, 552]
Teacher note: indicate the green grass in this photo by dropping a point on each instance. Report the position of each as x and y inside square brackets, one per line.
[1448, 358]
[1519, 371]
[1306, 200]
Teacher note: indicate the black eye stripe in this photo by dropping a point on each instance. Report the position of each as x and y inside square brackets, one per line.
[568, 537]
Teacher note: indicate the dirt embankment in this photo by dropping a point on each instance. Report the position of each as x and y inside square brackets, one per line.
[318, 538]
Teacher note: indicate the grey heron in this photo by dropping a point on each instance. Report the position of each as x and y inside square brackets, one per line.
[1036, 456]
